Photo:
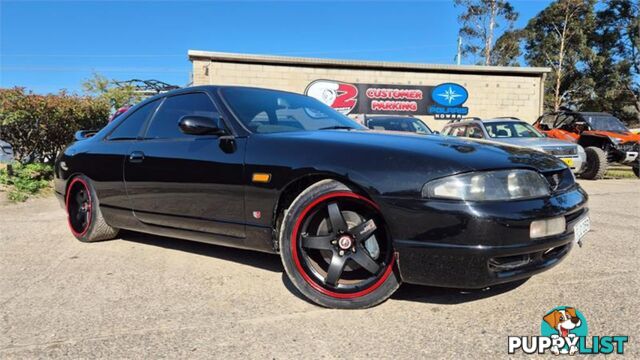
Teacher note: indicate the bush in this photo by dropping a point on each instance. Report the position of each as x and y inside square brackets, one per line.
[26, 180]
[38, 126]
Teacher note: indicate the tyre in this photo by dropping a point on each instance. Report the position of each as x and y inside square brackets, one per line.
[596, 163]
[636, 170]
[336, 248]
[83, 212]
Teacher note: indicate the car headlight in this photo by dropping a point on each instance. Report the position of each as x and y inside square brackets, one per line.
[488, 186]
[615, 140]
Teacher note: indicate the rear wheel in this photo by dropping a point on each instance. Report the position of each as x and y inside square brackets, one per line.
[84, 215]
[336, 249]
[636, 170]
[596, 163]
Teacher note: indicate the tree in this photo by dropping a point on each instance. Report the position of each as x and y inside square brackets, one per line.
[506, 51]
[557, 38]
[39, 126]
[479, 22]
[615, 65]
[117, 96]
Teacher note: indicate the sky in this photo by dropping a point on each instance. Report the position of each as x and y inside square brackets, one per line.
[46, 46]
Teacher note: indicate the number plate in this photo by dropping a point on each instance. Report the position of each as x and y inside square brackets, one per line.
[568, 161]
[581, 228]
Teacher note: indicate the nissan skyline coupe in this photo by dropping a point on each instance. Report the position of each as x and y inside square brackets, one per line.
[352, 212]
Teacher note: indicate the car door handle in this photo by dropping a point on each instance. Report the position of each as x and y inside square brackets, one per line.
[136, 157]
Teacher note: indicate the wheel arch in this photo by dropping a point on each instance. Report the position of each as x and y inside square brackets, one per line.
[69, 180]
[594, 140]
[296, 186]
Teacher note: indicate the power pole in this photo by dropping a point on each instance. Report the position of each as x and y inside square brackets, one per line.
[459, 50]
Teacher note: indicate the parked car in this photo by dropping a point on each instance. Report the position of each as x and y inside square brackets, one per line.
[119, 112]
[352, 212]
[514, 131]
[6, 152]
[604, 137]
[397, 123]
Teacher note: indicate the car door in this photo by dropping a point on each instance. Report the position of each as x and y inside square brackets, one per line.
[184, 181]
[104, 163]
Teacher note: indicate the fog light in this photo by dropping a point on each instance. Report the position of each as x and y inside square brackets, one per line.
[547, 227]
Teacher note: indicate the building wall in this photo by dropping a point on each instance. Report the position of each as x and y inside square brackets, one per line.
[489, 95]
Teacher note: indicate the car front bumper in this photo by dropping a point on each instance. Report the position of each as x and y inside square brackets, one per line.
[474, 245]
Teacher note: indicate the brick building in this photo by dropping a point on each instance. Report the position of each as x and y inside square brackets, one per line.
[491, 91]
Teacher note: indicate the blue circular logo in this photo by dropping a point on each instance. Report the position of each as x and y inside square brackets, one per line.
[563, 321]
[449, 94]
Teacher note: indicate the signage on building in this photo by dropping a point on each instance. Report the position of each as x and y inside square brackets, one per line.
[443, 101]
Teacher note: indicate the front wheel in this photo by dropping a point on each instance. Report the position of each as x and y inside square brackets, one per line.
[336, 248]
[596, 163]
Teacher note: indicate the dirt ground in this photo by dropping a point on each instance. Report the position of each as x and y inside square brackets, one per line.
[148, 296]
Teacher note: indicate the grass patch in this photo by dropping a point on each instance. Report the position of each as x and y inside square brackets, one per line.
[24, 181]
[620, 172]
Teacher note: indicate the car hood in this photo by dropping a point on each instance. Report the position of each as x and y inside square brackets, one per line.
[624, 136]
[401, 149]
[533, 142]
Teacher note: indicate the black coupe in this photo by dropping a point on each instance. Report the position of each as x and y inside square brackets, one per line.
[352, 212]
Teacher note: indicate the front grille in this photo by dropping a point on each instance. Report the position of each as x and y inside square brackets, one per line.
[629, 146]
[559, 180]
[560, 150]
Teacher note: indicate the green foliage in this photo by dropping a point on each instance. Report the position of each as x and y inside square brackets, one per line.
[39, 126]
[558, 38]
[116, 96]
[479, 23]
[615, 61]
[26, 180]
[506, 51]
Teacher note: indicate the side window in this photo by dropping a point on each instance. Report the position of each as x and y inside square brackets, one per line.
[565, 122]
[459, 131]
[130, 127]
[548, 122]
[165, 123]
[474, 131]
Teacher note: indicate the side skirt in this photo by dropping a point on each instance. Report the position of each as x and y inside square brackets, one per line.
[258, 238]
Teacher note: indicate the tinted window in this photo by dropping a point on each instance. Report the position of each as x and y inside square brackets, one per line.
[605, 123]
[165, 123]
[130, 127]
[266, 111]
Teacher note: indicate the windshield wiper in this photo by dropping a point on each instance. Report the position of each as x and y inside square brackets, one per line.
[337, 128]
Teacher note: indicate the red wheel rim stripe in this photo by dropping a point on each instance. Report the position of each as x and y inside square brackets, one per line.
[307, 278]
[86, 187]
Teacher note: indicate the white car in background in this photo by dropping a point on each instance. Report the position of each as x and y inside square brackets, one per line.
[6, 152]
[514, 131]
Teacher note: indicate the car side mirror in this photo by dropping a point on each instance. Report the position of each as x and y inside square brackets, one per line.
[201, 125]
[435, 132]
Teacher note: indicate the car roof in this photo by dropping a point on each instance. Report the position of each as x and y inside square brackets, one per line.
[391, 117]
[476, 120]
[219, 87]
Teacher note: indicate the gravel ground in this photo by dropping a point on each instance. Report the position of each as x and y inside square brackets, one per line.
[148, 296]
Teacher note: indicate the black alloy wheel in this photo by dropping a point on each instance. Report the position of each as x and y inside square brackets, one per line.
[338, 251]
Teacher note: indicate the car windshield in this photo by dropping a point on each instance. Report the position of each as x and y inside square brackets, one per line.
[605, 123]
[511, 129]
[269, 111]
[399, 124]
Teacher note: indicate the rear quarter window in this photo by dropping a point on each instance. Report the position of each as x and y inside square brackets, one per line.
[131, 126]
